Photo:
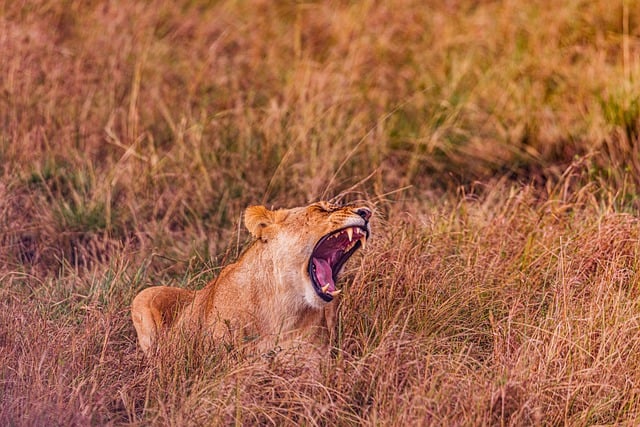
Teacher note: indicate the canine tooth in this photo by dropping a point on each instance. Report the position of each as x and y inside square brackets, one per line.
[363, 241]
[335, 293]
[350, 233]
[324, 288]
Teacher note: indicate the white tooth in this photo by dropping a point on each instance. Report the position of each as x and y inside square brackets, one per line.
[324, 288]
[335, 293]
[350, 233]
[363, 241]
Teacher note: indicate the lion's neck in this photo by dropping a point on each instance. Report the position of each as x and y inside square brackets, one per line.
[273, 292]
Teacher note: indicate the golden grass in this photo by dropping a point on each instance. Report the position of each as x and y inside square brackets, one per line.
[498, 140]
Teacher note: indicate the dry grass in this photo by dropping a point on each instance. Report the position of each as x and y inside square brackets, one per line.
[499, 141]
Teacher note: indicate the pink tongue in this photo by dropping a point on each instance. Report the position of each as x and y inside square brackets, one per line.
[324, 273]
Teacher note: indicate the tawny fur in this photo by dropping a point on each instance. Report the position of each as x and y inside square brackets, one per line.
[266, 296]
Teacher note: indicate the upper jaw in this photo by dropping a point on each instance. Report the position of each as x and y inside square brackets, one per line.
[354, 234]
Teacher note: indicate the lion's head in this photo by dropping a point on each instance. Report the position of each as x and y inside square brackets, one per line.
[309, 245]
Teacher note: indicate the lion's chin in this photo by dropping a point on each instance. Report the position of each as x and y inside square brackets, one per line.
[329, 256]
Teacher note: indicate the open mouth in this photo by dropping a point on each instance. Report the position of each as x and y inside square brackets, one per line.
[330, 254]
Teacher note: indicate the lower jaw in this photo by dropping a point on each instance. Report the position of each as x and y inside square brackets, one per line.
[325, 298]
[314, 300]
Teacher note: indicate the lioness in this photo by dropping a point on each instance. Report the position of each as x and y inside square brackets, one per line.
[282, 289]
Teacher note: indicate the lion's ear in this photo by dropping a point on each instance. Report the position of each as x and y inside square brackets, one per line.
[257, 219]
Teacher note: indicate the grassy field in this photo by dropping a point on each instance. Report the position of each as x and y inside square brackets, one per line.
[498, 141]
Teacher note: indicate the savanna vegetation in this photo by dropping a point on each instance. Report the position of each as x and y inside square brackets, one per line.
[498, 142]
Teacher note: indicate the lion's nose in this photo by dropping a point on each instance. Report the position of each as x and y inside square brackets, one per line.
[364, 213]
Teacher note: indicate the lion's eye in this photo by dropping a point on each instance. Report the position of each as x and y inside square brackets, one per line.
[326, 208]
[322, 208]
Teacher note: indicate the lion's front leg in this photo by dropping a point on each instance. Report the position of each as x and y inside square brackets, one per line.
[330, 315]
